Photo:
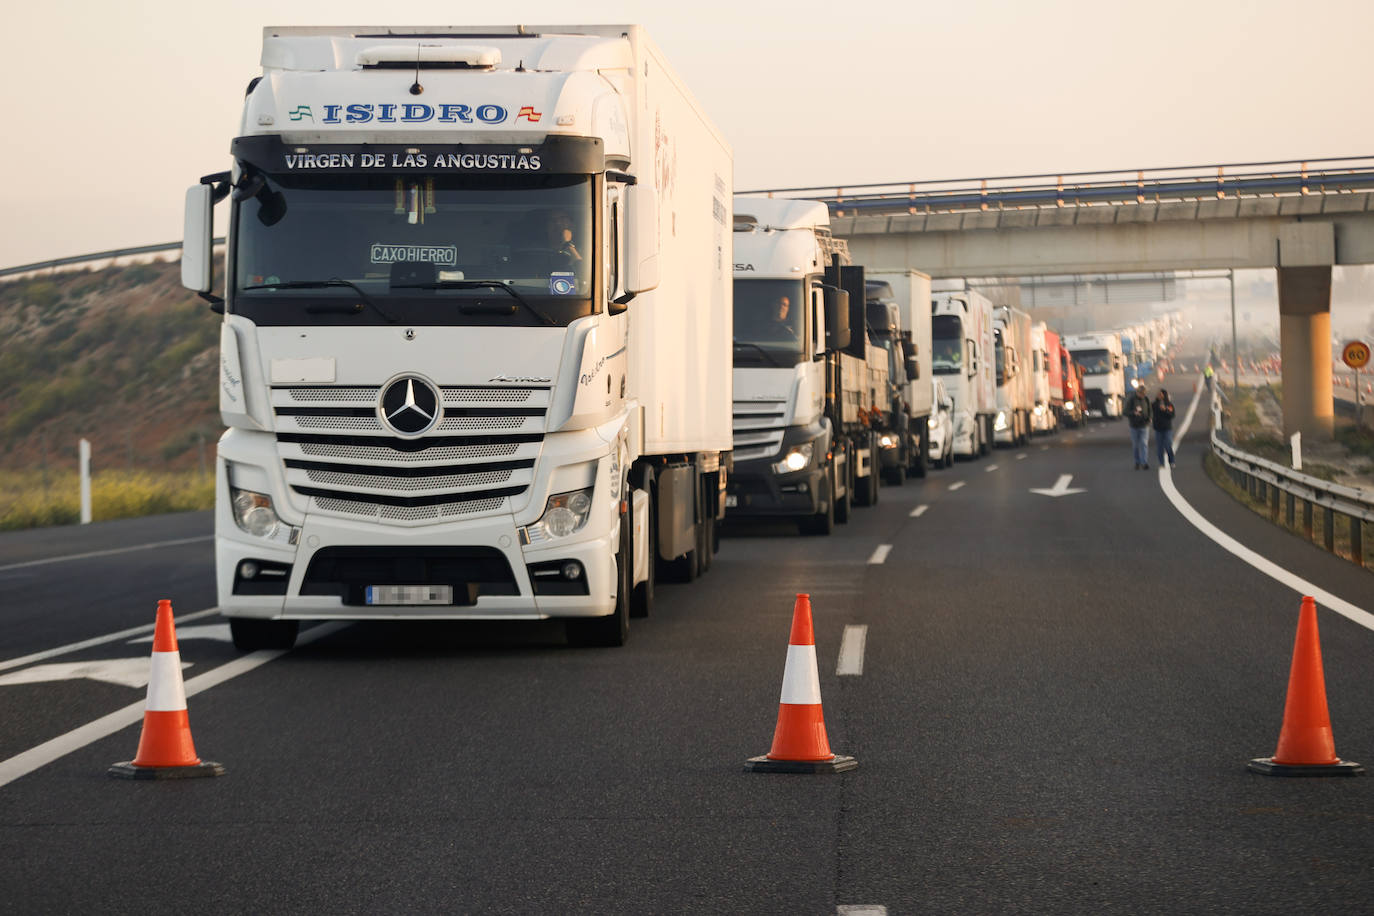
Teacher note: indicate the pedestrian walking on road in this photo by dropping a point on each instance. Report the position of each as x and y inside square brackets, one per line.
[1162, 416]
[1207, 374]
[1138, 415]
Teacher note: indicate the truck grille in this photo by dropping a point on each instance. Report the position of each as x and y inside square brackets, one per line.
[336, 451]
[758, 428]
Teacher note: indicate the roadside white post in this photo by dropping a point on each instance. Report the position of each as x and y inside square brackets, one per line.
[1296, 442]
[85, 482]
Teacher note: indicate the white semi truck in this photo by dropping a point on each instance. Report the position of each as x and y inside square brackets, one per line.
[807, 377]
[1104, 376]
[476, 336]
[1012, 347]
[962, 355]
[899, 316]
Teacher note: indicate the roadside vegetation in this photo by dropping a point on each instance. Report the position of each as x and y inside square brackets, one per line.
[121, 356]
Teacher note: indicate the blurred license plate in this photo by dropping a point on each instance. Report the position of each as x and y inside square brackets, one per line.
[731, 501]
[410, 594]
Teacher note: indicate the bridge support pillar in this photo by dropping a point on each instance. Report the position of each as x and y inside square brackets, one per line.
[1305, 346]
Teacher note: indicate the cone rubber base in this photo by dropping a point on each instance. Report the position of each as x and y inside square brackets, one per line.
[765, 764]
[1267, 767]
[127, 770]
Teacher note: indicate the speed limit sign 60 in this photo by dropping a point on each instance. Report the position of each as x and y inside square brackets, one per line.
[1356, 354]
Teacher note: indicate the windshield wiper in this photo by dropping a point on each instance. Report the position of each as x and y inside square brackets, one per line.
[478, 284]
[325, 284]
[761, 351]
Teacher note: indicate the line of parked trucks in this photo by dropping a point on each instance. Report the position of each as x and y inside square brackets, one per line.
[483, 288]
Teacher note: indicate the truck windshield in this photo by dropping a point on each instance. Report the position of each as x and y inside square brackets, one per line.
[770, 322]
[946, 344]
[1095, 362]
[430, 250]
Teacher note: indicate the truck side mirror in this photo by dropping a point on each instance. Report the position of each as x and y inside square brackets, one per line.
[641, 239]
[913, 369]
[196, 261]
[972, 356]
[837, 330]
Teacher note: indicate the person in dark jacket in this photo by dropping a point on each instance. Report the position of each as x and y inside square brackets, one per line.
[1138, 415]
[1162, 416]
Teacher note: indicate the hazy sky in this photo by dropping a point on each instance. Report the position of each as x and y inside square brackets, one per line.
[113, 109]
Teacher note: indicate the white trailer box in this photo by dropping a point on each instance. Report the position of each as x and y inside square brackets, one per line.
[476, 342]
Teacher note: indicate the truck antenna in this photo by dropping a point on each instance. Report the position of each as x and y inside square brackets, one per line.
[415, 87]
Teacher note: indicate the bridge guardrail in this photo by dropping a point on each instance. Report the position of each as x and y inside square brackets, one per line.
[95, 256]
[1067, 189]
[1272, 483]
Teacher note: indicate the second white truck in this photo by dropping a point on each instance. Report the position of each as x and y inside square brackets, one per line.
[962, 355]
[1104, 375]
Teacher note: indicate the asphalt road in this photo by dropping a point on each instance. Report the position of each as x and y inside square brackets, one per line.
[1057, 701]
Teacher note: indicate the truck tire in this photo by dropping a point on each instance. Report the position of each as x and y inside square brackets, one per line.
[614, 628]
[866, 490]
[920, 460]
[842, 503]
[984, 437]
[896, 475]
[642, 595]
[823, 522]
[251, 634]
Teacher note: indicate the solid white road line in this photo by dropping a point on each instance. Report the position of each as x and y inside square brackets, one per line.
[989, 469]
[880, 554]
[99, 640]
[956, 485]
[45, 753]
[861, 909]
[105, 553]
[918, 511]
[1226, 542]
[852, 649]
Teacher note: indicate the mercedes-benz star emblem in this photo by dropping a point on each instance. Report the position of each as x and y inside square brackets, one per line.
[410, 405]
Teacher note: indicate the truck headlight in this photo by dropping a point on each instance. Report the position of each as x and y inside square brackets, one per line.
[798, 457]
[887, 440]
[254, 514]
[1068, 405]
[564, 514]
[932, 423]
[1001, 422]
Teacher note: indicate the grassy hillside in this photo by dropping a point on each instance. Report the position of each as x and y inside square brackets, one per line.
[122, 356]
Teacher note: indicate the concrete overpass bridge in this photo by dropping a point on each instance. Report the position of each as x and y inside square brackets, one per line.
[1299, 217]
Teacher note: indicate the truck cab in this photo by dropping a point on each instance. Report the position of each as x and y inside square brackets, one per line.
[1104, 375]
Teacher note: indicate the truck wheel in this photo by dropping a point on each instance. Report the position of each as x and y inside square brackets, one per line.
[251, 634]
[920, 460]
[613, 629]
[896, 475]
[841, 503]
[642, 596]
[822, 523]
[983, 437]
[706, 535]
[867, 489]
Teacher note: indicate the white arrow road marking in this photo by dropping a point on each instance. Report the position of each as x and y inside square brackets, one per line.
[45, 753]
[852, 649]
[918, 511]
[98, 640]
[216, 631]
[126, 672]
[956, 485]
[1061, 487]
[880, 554]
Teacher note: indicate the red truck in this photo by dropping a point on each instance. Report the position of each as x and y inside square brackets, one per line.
[1066, 378]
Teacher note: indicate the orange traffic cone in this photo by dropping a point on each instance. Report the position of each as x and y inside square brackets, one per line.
[799, 741]
[1306, 747]
[165, 750]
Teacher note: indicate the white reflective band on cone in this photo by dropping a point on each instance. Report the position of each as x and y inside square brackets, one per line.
[801, 682]
[166, 692]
